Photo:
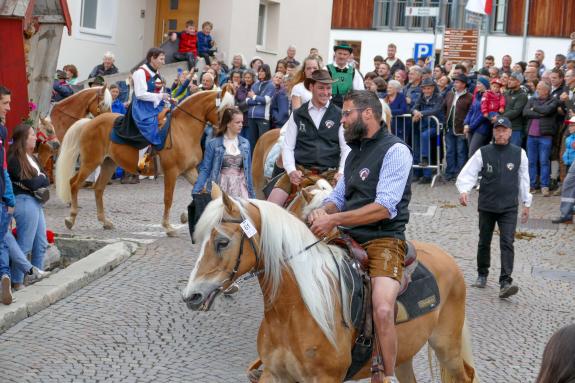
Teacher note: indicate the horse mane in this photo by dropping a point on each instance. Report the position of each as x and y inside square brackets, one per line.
[283, 238]
[322, 191]
[107, 97]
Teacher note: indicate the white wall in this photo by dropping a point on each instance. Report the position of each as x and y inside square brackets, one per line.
[302, 23]
[375, 43]
[132, 36]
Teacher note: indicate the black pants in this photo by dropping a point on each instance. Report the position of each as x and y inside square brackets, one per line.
[206, 57]
[188, 56]
[507, 222]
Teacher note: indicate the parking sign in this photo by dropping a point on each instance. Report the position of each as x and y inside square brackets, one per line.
[422, 50]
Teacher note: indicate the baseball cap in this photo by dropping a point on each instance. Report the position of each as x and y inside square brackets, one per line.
[502, 121]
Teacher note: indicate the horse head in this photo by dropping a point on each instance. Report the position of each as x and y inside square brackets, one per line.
[309, 198]
[46, 133]
[101, 102]
[228, 251]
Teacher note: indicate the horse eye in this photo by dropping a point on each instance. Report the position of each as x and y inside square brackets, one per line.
[222, 244]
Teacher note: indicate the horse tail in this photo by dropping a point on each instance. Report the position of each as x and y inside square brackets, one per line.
[466, 355]
[69, 153]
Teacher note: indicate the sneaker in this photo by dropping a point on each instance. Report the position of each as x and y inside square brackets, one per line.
[545, 191]
[35, 274]
[507, 290]
[557, 193]
[534, 190]
[480, 282]
[566, 220]
[6, 290]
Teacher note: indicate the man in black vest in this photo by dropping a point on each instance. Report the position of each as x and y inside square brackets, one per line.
[313, 145]
[505, 182]
[371, 200]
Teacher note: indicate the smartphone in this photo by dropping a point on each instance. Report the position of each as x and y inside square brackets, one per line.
[195, 81]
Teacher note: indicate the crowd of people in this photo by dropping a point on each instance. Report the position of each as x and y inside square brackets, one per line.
[332, 121]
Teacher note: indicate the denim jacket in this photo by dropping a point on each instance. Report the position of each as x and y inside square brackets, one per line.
[212, 164]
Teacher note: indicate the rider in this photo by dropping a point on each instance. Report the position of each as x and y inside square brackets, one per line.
[371, 199]
[149, 97]
[313, 142]
[345, 76]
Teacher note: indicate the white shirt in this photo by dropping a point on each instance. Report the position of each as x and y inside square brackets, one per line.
[34, 164]
[300, 91]
[470, 173]
[290, 138]
[141, 87]
[231, 145]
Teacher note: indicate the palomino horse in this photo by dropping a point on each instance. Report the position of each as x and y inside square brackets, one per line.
[306, 335]
[94, 101]
[262, 150]
[47, 145]
[90, 139]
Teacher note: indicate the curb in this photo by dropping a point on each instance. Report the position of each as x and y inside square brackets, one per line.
[39, 296]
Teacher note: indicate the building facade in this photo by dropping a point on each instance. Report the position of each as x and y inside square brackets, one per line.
[128, 28]
[515, 27]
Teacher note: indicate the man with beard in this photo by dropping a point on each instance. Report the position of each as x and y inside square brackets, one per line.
[371, 199]
[314, 145]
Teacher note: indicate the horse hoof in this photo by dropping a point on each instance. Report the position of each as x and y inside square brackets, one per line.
[108, 226]
[69, 223]
[172, 233]
[184, 218]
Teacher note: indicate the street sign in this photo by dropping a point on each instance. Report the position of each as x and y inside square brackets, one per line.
[422, 50]
[421, 11]
[460, 44]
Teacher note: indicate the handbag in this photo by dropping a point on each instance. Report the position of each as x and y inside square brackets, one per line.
[196, 209]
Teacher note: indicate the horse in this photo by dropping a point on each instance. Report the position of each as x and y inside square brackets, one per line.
[47, 145]
[91, 101]
[90, 140]
[306, 334]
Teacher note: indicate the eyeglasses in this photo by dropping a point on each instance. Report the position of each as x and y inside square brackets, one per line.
[346, 113]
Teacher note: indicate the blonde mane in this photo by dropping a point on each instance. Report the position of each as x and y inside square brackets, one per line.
[282, 243]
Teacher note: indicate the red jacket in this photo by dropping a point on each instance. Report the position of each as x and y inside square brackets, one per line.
[188, 43]
[492, 102]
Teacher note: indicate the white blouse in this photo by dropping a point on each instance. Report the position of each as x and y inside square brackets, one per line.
[232, 145]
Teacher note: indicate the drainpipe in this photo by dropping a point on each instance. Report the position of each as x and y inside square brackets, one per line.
[525, 26]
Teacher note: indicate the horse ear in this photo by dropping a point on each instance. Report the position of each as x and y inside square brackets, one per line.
[216, 191]
[229, 204]
[306, 195]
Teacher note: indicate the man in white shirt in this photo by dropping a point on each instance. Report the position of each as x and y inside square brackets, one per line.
[314, 145]
[504, 184]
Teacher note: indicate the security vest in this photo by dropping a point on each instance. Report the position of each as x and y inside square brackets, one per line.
[499, 187]
[361, 172]
[317, 147]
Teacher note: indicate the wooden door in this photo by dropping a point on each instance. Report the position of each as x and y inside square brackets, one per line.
[171, 16]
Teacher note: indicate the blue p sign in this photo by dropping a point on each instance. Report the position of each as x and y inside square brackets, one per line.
[423, 50]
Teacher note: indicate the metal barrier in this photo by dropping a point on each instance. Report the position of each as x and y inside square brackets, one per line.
[418, 135]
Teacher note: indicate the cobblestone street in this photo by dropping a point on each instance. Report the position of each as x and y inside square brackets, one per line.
[132, 326]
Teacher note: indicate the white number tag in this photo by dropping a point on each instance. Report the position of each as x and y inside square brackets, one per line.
[218, 102]
[248, 228]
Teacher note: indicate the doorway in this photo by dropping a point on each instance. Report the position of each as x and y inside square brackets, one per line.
[171, 16]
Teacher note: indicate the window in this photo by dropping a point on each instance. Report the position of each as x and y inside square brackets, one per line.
[261, 25]
[499, 16]
[391, 14]
[98, 20]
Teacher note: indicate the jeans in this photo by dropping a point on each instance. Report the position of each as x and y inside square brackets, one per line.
[456, 153]
[19, 264]
[187, 56]
[30, 230]
[517, 138]
[256, 127]
[538, 153]
[507, 222]
[4, 255]
[568, 193]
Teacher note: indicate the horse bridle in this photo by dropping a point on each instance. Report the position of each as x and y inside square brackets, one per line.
[254, 270]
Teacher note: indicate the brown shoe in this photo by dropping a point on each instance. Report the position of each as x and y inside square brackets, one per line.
[6, 290]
